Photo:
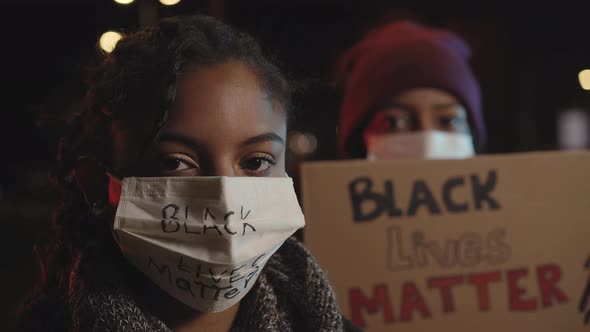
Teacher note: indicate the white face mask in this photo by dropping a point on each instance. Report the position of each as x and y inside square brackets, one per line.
[204, 240]
[420, 145]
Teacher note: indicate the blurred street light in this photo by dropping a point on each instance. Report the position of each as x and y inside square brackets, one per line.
[573, 129]
[124, 2]
[169, 2]
[109, 40]
[302, 143]
[584, 77]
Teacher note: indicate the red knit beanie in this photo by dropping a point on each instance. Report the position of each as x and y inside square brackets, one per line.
[399, 57]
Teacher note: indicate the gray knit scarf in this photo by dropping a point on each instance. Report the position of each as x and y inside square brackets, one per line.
[291, 294]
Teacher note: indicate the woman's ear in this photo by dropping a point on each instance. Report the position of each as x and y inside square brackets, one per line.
[93, 182]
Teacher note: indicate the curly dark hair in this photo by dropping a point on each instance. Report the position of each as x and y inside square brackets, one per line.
[137, 80]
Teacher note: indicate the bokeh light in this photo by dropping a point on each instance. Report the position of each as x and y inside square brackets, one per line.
[169, 2]
[584, 77]
[302, 143]
[109, 40]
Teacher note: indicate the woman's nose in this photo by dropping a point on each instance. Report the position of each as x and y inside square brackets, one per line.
[223, 167]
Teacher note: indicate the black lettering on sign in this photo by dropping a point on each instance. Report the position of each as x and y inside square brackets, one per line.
[188, 231]
[361, 195]
[167, 219]
[255, 263]
[421, 196]
[242, 216]
[235, 277]
[208, 214]
[231, 293]
[253, 273]
[184, 285]
[450, 204]
[369, 203]
[251, 227]
[389, 200]
[205, 228]
[217, 280]
[161, 269]
[227, 215]
[228, 230]
[170, 208]
[216, 289]
[482, 191]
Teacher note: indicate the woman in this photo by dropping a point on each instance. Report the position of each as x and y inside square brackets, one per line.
[410, 94]
[184, 137]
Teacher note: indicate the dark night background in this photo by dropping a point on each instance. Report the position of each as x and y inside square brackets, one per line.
[527, 57]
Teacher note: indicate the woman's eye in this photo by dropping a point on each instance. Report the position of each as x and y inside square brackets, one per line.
[447, 122]
[453, 122]
[397, 123]
[176, 165]
[257, 164]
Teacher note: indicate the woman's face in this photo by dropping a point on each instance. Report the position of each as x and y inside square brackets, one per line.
[419, 110]
[223, 123]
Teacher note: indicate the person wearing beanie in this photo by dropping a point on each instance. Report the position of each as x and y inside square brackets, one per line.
[410, 94]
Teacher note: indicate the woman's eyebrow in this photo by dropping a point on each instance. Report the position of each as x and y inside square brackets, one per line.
[395, 105]
[267, 137]
[197, 145]
[190, 142]
[445, 106]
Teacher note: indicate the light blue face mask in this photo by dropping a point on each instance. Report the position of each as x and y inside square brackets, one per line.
[429, 144]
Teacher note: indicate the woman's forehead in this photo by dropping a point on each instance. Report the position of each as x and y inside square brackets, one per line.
[219, 106]
[223, 100]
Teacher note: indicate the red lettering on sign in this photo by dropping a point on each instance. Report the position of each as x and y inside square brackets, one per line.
[413, 305]
[445, 284]
[481, 282]
[516, 293]
[412, 300]
[548, 276]
[380, 300]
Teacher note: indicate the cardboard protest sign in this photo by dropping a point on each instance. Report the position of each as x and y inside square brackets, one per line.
[495, 243]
